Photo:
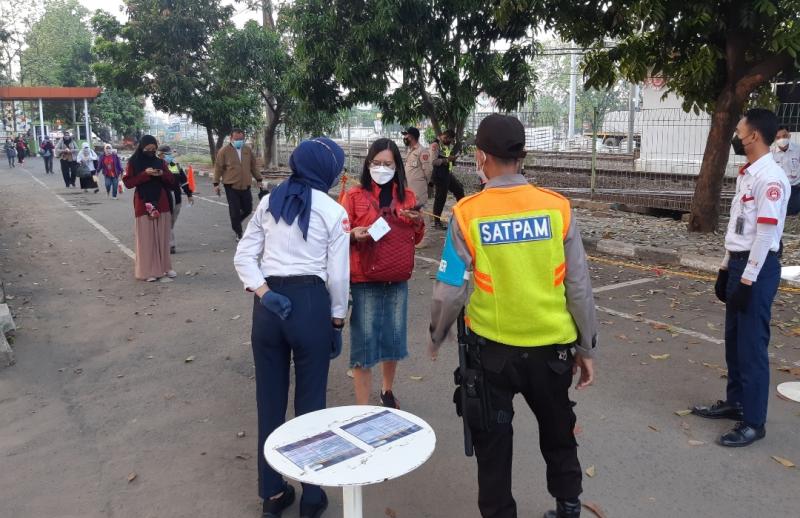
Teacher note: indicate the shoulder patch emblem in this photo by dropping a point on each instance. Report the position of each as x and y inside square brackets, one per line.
[346, 225]
[773, 193]
[425, 156]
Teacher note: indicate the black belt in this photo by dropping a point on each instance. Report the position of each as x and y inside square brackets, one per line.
[297, 280]
[739, 256]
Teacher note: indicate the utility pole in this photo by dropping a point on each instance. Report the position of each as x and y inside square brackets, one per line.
[270, 147]
[631, 115]
[573, 87]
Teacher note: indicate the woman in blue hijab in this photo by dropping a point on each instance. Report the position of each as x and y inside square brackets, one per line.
[295, 256]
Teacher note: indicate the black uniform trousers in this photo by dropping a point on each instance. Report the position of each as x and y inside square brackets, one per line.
[444, 182]
[69, 170]
[543, 376]
[240, 205]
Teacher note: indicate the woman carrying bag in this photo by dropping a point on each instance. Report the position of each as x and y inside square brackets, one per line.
[380, 265]
[86, 168]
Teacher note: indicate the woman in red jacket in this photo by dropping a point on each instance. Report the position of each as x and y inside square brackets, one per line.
[151, 178]
[380, 265]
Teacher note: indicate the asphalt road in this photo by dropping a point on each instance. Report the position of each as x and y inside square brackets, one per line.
[102, 391]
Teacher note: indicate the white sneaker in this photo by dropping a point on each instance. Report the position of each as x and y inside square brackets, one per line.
[172, 274]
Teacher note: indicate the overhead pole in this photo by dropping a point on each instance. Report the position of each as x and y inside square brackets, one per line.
[573, 87]
[87, 124]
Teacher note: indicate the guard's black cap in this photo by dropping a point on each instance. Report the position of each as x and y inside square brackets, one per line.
[501, 136]
[411, 130]
[164, 148]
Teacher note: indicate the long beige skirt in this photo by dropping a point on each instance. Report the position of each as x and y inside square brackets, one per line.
[152, 246]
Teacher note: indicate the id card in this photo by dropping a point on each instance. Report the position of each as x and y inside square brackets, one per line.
[379, 229]
[739, 229]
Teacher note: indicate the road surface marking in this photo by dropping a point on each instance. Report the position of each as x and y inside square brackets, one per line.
[426, 259]
[623, 284]
[103, 230]
[670, 327]
[209, 200]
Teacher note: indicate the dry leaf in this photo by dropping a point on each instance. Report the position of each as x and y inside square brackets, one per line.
[237, 317]
[659, 356]
[240, 434]
[390, 512]
[591, 471]
[658, 325]
[243, 456]
[653, 428]
[786, 463]
[594, 508]
[683, 412]
[189, 359]
[415, 378]
[712, 326]
[695, 442]
[132, 476]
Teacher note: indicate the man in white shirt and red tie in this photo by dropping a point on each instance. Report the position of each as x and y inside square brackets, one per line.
[748, 279]
[787, 155]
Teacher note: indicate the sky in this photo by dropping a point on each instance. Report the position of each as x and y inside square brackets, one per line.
[114, 7]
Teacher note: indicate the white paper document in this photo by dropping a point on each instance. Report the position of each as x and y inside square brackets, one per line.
[379, 229]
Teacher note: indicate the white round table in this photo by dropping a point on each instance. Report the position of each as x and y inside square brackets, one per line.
[350, 447]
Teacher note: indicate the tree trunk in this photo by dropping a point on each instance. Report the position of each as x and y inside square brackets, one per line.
[269, 140]
[212, 150]
[705, 203]
[220, 141]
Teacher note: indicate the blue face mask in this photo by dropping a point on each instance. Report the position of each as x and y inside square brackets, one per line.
[238, 144]
[169, 159]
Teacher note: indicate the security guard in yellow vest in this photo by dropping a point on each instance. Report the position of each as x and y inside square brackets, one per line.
[530, 320]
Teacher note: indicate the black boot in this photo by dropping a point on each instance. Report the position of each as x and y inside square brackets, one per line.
[565, 509]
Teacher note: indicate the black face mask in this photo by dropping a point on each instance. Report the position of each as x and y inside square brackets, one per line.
[738, 145]
[67, 140]
[150, 154]
[406, 142]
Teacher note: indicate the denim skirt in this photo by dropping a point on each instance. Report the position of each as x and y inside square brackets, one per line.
[378, 323]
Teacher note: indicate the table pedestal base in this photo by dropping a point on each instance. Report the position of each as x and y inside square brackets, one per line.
[353, 502]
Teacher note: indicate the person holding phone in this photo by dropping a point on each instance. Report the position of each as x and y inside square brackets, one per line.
[380, 266]
[151, 178]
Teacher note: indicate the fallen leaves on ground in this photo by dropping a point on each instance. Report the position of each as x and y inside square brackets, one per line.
[659, 356]
[595, 509]
[415, 378]
[695, 442]
[683, 413]
[390, 512]
[189, 359]
[786, 463]
[794, 371]
[132, 476]
[591, 471]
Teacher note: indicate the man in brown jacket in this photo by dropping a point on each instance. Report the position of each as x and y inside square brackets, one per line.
[236, 167]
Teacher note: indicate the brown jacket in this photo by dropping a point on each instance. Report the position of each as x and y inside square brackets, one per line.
[234, 172]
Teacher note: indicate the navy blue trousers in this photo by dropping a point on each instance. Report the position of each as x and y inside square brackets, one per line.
[306, 338]
[747, 338]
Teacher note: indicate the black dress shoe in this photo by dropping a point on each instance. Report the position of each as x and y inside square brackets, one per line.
[720, 410]
[314, 510]
[742, 435]
[565, 509]
[274, 508]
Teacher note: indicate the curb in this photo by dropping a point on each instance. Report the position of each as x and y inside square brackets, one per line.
[6, 326]
[664, 256]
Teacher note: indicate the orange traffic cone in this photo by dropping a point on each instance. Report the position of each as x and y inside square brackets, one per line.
[343, 189]
[190, 179]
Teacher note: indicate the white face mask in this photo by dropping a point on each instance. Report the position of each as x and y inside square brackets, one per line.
[381, 174]
[479, 168]
[782, 142]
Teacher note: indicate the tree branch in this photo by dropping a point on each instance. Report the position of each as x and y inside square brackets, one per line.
[759, 74]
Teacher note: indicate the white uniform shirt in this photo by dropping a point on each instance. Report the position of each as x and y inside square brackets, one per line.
[269, 249]
[789, 161]
[758, 213]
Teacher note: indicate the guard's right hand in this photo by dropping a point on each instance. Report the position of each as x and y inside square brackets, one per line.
[360, 233]
[216, 189]
[586, 366]
[721, 286]
[277, 303]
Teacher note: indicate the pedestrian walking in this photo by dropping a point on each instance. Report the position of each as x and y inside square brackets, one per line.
[66, 151]
[443, 179]
[46, 151]
[87, 168]
[22, 150]
[151, 178]
[419, 169]
[530, 321]
[787, 155]
[181, 184]
[111, 168]
[380, 267]
[11, 151]
[748, 279]
[294, 257]
[235, 166]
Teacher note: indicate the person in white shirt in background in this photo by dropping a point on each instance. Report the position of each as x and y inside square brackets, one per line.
[295, 256]
[787, 155]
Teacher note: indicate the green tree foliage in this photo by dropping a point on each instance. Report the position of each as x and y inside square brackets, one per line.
[717, 55]
[58, 47]
[164, 50]
[117, 110]
[16, 19]
[413, 58]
